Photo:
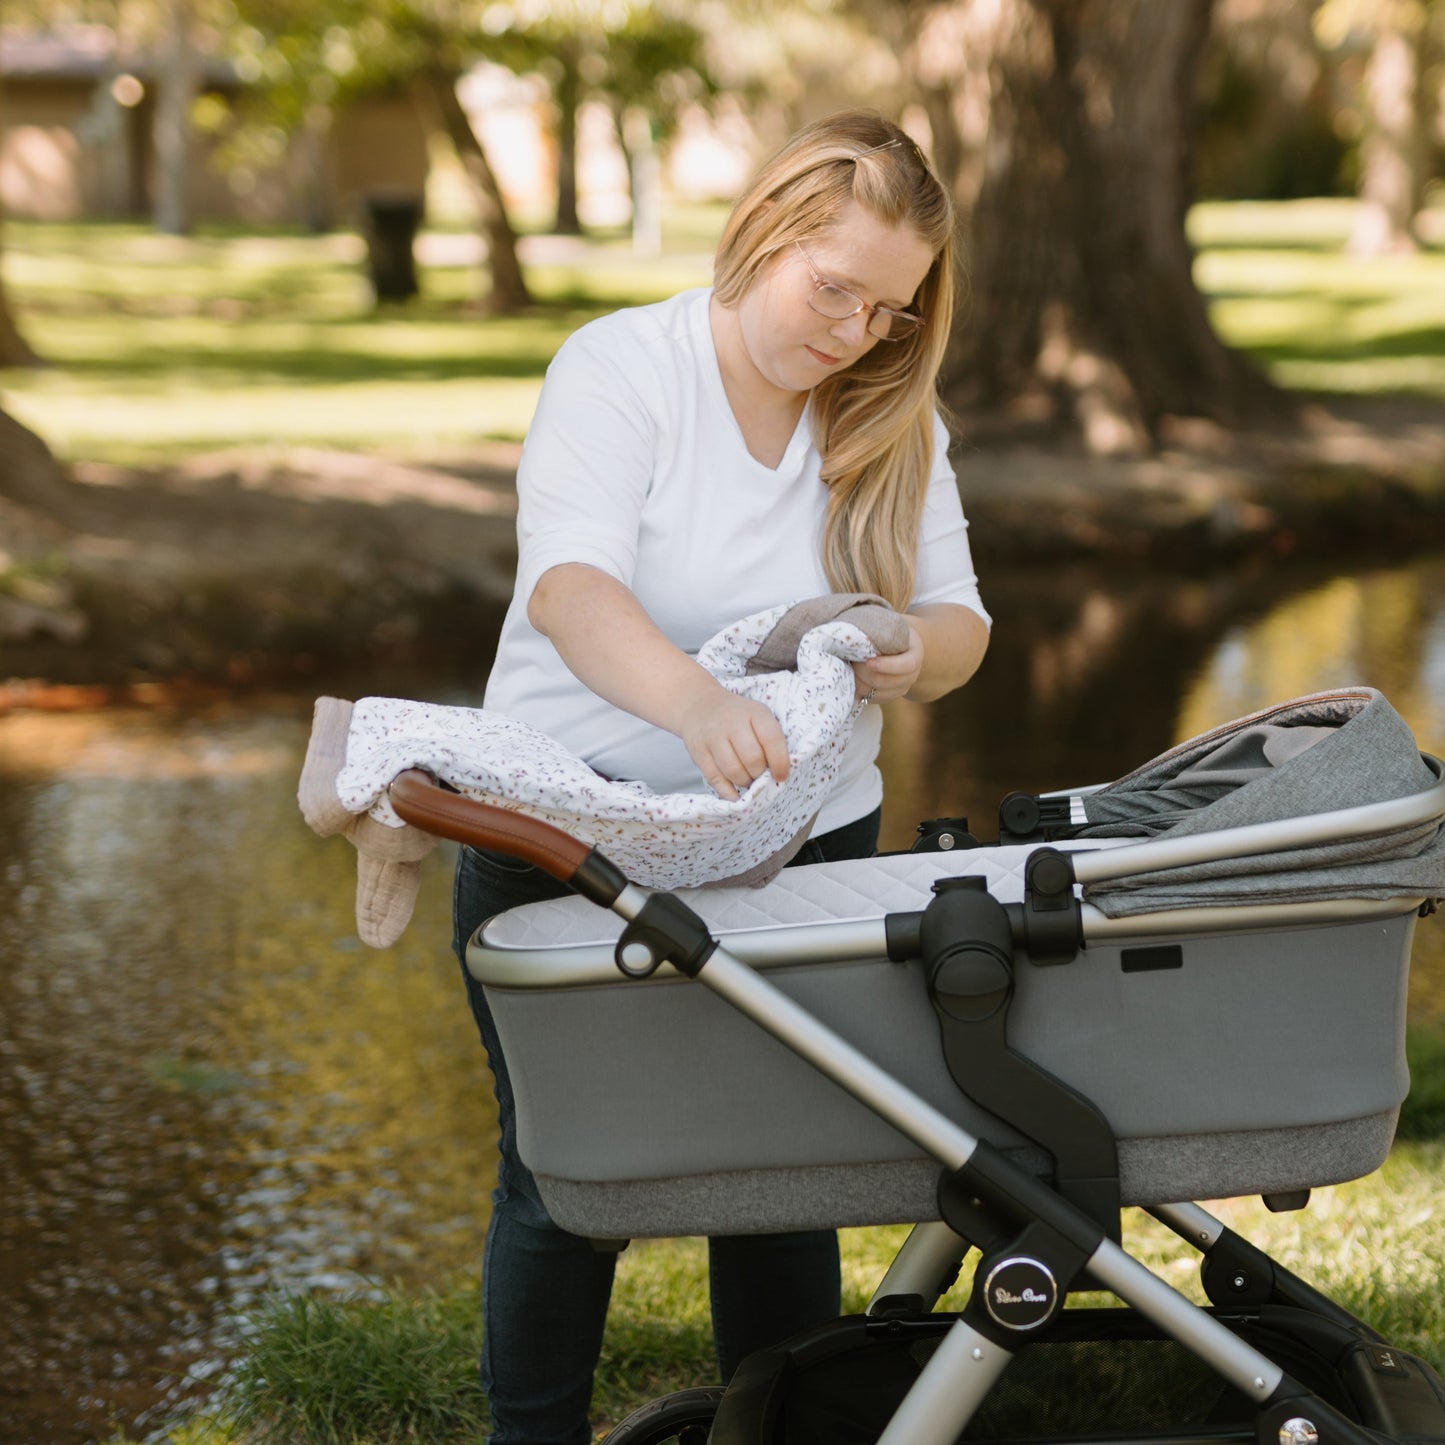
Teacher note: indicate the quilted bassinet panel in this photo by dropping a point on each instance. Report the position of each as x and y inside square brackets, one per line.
[1264, 1061]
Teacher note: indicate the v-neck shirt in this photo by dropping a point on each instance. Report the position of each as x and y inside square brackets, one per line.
[635, 464]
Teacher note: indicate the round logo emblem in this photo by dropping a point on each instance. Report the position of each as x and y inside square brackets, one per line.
[1020, 1294]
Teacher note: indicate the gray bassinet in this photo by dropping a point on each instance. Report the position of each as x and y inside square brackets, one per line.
[1235, 1048]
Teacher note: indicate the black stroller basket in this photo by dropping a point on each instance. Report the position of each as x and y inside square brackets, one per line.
[964, 1042]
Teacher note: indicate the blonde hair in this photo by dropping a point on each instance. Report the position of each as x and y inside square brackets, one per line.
[873, 423]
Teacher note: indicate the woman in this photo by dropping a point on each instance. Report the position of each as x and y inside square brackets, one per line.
[772, 438]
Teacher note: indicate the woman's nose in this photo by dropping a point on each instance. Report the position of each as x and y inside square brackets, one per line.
[852, 329]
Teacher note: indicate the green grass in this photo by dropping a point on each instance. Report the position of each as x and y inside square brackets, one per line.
[1284, 288]
[331, 1372]
[383, 1370]
[163, 347]
[166, 346]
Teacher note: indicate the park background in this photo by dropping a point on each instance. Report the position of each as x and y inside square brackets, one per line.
[257, 442]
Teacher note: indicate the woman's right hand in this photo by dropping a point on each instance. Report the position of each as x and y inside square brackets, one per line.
[733, 740]
[602, 633]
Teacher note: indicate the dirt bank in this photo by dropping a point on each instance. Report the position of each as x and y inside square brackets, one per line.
[249, 565]
[253, 564]
[1364, 475]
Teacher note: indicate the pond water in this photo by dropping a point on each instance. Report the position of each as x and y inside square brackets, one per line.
[209, 1090]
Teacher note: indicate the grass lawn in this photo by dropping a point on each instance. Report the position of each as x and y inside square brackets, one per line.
[167, 346]
[1284, 288]
[164, 347]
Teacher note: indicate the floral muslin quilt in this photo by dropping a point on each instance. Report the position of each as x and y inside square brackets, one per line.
[659, 840]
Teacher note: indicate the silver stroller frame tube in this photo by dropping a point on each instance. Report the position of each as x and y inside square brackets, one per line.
[925, 1265]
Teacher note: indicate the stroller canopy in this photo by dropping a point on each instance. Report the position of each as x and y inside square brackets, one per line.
[1313, 755]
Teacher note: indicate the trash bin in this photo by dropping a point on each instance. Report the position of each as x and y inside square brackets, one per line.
[391, 222]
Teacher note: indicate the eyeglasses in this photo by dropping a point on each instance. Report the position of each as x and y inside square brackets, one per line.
[838, 305]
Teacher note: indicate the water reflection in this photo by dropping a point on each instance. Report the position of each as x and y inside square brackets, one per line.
[210, 1089]
[1384, 628]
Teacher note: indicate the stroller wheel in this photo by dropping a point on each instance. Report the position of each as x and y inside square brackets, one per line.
[684, 1416]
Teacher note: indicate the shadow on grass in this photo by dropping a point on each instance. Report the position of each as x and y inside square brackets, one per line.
[259, 367]
[1324, 245]
[1345, 302]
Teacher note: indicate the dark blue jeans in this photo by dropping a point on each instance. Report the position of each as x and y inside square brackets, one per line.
[544, 1291]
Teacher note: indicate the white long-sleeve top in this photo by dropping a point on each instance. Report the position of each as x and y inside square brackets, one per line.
[635, 464]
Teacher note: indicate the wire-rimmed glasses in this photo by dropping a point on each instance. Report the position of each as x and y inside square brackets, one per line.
[838, 304]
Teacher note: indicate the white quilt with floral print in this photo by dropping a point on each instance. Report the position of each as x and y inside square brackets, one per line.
[659, 840]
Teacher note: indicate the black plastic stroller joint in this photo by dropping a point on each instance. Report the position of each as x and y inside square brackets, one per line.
[1019, 1286]
[966, 942]
[1028, 818]
[1035, 1245]
[989, 1199]
[1048, 925]
[1235, 1273]
[665, 930]
[943, 835]
[967, 945]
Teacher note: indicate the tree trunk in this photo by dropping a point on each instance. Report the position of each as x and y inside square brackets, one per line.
[939, 55]
[1083, 315]
[315, 164]
[636, 137]
[179, 81]
[1391, 182]
[568, 96]
[14, 349]
[437, 93]
[29, 473]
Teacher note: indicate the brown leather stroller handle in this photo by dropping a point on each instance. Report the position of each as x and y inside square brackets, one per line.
[419, 800]
[422, 802]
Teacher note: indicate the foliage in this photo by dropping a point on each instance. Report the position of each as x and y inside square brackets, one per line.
[1284, 289]
[331, 1372]
[645, 55]
[640, 53]
[1272, 127]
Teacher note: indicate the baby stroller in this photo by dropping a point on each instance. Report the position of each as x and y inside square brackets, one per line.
[1187, 984]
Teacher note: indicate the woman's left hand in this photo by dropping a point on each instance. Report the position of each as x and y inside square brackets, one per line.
[881, 679]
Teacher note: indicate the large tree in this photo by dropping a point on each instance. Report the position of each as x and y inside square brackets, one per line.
[318, 56]
[27, 469]
[1069, 128]
[434, 86]
[14, 349]
[643, 59]
[178, 84]
[1399, 50]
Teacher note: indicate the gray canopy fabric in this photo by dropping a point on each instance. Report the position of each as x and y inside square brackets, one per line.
[1311, 755]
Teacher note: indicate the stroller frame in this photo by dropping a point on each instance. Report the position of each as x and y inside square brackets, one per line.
[1038, 1241]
